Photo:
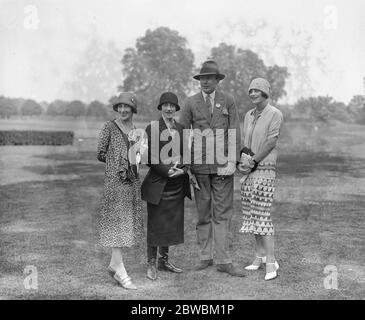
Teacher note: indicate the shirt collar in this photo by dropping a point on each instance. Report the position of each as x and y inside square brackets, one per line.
[168, 125]
[211, 95]
[262, 111]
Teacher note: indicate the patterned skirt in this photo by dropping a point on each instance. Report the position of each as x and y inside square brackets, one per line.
[257, 193]
[121, 218]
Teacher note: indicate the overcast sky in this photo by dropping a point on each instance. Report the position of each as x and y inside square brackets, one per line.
[38, 57]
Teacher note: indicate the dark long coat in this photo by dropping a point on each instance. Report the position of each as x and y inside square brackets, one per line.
[164, 195]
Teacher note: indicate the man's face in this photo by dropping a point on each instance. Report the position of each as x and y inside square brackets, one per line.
[208, 83]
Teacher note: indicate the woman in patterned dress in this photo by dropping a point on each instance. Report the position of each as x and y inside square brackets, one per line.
[258, 162]
[120, 223]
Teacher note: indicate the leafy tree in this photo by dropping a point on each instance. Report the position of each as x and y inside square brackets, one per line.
[357, 101]
[159, 62]
[277, 76]
[240, 67]
[96, 109]
[17, 103]
[75, 109]
[356, 108]
[7, 108]
[57, 108]
[31, 108]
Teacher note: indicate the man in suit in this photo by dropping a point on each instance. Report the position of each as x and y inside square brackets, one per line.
[213, 116]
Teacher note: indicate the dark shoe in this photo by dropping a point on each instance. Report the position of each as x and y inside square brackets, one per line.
[203, 264]
[164, 265]
[151, 272]
[230, 269]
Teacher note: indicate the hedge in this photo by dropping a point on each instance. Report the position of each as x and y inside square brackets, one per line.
[31, 137]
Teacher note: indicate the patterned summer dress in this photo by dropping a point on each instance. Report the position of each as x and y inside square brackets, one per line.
[121, 221]
[257, 190]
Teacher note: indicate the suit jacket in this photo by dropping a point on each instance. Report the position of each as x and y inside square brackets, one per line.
[157, 176]
[209, 154]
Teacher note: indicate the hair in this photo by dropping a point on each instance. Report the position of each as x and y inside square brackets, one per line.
[262, 93]
[116, 106]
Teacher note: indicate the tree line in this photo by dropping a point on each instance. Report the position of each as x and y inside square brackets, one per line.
[28, 107]
[162, 61]
[321, 108]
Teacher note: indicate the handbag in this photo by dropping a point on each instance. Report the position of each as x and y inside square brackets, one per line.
[246, 154]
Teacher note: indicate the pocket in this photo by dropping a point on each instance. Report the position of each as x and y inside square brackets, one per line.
[222, 121]
[204, 192]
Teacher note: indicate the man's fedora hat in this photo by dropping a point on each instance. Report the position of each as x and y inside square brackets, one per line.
[128, 98]
[209, 67]
[168, 97]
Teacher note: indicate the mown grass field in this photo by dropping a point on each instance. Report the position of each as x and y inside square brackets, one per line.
[49, 206]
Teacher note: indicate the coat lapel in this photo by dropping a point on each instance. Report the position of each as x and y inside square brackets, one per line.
[162, 124]
[219, 104]
[202, 107]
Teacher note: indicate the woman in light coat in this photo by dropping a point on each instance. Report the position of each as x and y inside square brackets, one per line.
[258, 163]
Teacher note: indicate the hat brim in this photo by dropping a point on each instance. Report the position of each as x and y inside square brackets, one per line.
[115, 107]
[176, 105]
[219, 76]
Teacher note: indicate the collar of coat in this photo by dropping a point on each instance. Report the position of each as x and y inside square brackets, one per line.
[219, 105]
[163, 125]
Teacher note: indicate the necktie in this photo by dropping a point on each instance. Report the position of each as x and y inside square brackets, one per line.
[209, 104]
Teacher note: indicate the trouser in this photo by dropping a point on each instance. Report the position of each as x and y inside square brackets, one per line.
[214, 202]
[152, 253]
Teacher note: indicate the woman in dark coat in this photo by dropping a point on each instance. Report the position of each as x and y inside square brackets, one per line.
[165, 186]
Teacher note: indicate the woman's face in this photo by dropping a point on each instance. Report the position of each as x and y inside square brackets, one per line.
[256, 96]
[168, 110]
[125, 112]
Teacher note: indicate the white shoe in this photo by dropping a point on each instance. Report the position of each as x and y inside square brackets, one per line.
[273, 274]
[276, 265]
[254, 267]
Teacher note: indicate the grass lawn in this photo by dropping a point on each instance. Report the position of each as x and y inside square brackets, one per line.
[49, 205]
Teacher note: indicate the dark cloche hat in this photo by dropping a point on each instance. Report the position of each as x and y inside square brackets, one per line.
[168, 97]
[209, 67]
[128, 98]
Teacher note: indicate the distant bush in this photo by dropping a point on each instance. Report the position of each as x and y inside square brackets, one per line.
[356, 108]
[321, 109]
[30, 137]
